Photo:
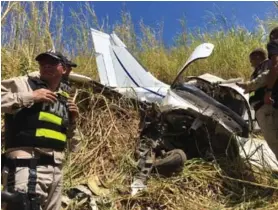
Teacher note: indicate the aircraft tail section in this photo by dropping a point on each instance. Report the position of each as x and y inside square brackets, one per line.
[116, 65]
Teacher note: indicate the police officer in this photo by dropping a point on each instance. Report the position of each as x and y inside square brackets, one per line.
[256, 86]
[271, 93]
[66, 87]
[39, 120]
[272, 78]
[65, 84]
[266, 114]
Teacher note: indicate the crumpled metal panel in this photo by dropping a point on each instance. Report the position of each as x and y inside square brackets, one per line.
[257, 152]
[173, 101]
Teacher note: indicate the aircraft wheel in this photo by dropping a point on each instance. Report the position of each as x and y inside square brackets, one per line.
[172, 163]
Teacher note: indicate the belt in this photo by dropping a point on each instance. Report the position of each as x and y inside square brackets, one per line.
[29, 162]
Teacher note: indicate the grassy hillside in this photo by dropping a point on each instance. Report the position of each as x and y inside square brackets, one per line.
[110, 127]
[29, 28]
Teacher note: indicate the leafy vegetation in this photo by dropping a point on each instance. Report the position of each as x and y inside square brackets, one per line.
[110, 133]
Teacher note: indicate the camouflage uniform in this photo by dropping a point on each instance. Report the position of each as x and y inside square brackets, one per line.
[270, 112]
[256, 86]
[258, 78]
[266, 114]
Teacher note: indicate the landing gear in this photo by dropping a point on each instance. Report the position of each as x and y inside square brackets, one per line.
[172, 162]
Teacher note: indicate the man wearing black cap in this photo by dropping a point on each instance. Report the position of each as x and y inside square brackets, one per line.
[267, 111]
[39, 120]
[255, 87]
[65, 84]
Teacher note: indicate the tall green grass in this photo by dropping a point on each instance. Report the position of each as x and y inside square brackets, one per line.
[29, 28]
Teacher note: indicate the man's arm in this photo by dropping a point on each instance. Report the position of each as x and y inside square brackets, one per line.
[258, 82]
[14, 95]
[74, 135]
[273, 73]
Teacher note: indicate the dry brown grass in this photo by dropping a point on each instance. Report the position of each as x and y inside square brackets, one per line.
[110, 128]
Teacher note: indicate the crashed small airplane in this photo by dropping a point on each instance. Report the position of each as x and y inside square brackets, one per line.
[193, 116]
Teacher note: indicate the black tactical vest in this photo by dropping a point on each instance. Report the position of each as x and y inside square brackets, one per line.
[65, 85]
[43, 125]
